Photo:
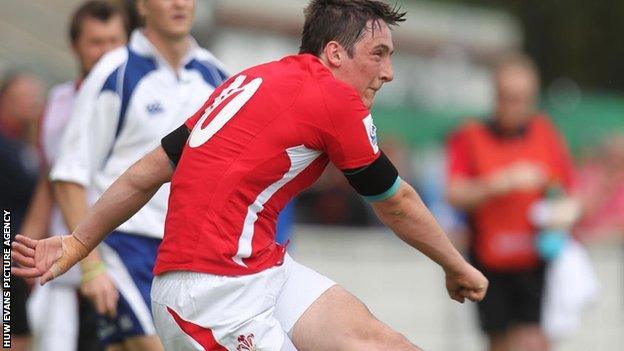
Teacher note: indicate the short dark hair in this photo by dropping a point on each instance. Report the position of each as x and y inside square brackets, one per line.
[97, 9]
[343, 21]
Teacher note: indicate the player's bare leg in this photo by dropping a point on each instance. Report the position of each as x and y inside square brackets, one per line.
[337, 320]
[498, 342]
[528, 337]
[115, 347]
[20, 343]
[143, 343]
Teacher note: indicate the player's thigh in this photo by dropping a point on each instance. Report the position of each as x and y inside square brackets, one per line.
[337, 320]
[143, 343]
[302, 287]
[528, 337]
[194, 332]
[198, 311]
[170, 333]
[115, 347]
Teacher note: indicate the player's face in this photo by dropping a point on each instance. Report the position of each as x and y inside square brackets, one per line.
[170, 18]
[516, 90]
[371, 64]
[26, 96]
[96, 38]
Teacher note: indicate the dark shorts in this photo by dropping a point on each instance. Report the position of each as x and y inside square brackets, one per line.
[19, 295]
[88, 338]
[512, 299]
[129, 260]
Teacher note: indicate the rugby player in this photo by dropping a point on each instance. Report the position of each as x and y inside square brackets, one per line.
[264, 135]
[132, 98]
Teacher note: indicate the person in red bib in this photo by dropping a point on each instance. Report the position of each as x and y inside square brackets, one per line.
[267, 133]
[498, 169]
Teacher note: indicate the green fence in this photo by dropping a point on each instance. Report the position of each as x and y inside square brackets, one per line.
[593, 117]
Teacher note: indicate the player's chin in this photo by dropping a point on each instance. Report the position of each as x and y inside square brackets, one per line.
[368, 100]
[179, 29]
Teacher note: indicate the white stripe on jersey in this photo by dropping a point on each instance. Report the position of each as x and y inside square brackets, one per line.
[300, 158]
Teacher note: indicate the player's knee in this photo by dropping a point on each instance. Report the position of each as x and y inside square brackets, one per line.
[143, 343]
[528, 338]
[377, 336]
[397, 341]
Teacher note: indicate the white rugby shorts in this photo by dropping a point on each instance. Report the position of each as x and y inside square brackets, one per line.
[199, 311]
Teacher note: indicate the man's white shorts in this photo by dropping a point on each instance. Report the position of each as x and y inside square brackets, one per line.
[199, 311]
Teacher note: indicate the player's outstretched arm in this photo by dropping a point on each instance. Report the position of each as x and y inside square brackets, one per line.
[411, 221]
[51, 257]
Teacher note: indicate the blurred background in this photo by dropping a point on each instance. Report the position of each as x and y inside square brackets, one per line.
[443, 62]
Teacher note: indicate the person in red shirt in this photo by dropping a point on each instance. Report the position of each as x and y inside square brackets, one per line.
[497, 170]
[222, 282]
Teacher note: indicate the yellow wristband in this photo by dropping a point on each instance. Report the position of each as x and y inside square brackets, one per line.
[96, 269]
[88, 264]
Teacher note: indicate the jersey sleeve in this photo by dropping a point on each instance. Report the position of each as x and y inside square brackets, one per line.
[350, 137]
[457, 156]
[90, 132]
[45, 131]
[563, 165]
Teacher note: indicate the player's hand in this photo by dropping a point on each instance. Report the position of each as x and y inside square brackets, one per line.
[467, 283]
[520, 176]
[525, 175]
[47, 258]
[101, 291]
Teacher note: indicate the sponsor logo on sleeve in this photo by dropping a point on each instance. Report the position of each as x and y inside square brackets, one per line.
[371, 132]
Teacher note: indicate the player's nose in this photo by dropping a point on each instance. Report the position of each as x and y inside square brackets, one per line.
[181, 3]
[387, 72]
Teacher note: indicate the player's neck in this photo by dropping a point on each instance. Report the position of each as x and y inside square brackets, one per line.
[172, 49]
[323, 60]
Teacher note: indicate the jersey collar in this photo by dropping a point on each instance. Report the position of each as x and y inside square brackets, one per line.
[494, 128]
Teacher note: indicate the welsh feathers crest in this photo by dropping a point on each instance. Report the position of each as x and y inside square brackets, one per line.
[246, 343]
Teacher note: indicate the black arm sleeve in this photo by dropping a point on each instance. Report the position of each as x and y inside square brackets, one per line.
[173, 143]
[374, 180]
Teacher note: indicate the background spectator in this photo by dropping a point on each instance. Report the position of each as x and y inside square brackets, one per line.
[498, 169]
[21, 103]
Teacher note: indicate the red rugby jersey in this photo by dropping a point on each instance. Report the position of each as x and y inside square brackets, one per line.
[504, 238]
[262, 137]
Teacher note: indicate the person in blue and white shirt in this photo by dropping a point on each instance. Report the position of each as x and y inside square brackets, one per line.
[58, 319]
[133, 97]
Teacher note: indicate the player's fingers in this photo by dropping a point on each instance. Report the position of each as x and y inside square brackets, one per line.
[100, 303]
[455, 295]
[52, 273]
[47, 276]
[26, 262]
[23, 249]
[56, 269]
[111, 302]
[473, 295]
[25, 272]
[26, 241]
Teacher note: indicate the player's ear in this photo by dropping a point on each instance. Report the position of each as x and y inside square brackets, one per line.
[334, 53]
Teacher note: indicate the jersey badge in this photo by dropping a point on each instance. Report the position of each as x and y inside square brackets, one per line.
[371, 131]
[246, 343]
